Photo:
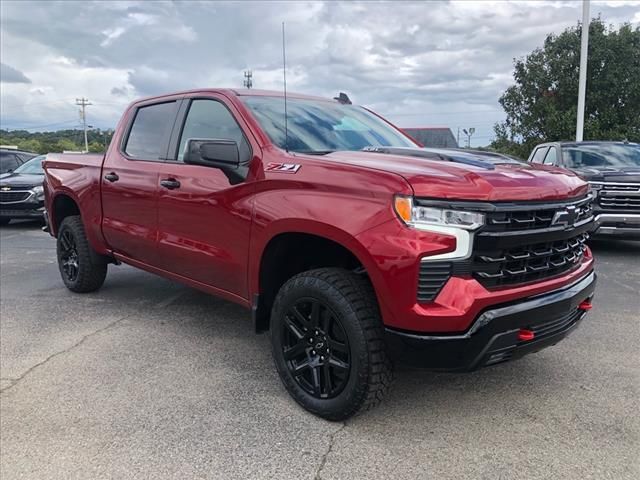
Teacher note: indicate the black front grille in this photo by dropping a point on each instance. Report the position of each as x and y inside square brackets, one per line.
[431, 279]
[619, 197]
[528, 263]
[6, 197]
[534, 217]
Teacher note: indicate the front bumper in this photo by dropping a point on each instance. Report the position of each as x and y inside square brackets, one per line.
[493, 337]
[23, 211]
[625, 225]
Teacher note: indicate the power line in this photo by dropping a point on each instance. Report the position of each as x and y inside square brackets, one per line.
[84, 102]
[30, 127]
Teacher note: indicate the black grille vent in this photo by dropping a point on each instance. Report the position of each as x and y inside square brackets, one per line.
[6, 197]
[431, 279]
[548, 329]
[529, 262]
[620, 197]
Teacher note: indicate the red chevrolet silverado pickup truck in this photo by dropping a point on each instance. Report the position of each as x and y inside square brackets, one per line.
[351, 244]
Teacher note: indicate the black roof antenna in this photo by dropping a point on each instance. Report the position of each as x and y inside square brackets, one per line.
[284, 77]
[343, 98]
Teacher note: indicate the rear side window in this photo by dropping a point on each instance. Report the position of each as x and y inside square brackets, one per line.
[150, 131]
[211, 119]
[538, 157]
[8, 162]
[551, 158]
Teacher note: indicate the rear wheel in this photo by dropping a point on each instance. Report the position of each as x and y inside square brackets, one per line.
[327, 343]
[82, 269]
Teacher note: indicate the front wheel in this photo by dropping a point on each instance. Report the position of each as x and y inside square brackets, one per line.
[82, 269]
[327, 343]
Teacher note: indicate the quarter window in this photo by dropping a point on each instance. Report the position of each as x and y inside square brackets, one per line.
[551, 158]
[150, 131]
[538, 157]
[210, 119]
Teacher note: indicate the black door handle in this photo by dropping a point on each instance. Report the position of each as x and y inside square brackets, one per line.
[112, 177]
[170, 183]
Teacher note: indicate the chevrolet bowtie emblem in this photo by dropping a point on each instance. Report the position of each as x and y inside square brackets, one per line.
[5, 189]
[565, 217]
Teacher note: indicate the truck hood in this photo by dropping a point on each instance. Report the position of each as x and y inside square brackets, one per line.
[451, 180]
[609, 174]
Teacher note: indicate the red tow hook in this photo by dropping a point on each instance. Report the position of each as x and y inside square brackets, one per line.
[525, 335]
[586, 305]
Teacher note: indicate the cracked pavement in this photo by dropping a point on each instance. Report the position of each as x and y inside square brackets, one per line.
[150, 379]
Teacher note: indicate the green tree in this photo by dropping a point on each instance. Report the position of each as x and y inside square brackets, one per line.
[66, 144]
[542, 104]
[96, 147]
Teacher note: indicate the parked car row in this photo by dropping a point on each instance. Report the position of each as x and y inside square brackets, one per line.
[613, 171]
[21, 191]
[611, 168]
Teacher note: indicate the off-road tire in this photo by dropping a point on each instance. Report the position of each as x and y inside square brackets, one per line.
[91, 266]
[351, 297]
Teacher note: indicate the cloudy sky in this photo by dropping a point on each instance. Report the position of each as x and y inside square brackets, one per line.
[419, 64]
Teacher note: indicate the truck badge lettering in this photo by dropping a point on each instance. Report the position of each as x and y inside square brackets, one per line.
[282, 167]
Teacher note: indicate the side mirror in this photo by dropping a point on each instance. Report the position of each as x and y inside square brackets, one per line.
[216, 153]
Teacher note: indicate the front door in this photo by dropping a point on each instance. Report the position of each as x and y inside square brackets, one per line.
[204, 218]
[130, 183]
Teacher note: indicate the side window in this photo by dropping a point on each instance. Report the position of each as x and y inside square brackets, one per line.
[150, 131]
[9, 162]
[211, 119]
[551, 158]
[538, 157]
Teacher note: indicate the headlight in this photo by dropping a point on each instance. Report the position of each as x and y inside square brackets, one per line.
[415, 215]
[38, 190]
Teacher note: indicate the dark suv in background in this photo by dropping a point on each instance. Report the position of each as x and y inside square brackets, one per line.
[11, 159]
[21, 192]
[613, 171]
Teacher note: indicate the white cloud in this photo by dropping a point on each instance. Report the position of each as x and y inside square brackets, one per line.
[419, 63]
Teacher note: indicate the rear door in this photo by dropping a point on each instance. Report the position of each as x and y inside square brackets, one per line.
[130, 182]
[204, 219]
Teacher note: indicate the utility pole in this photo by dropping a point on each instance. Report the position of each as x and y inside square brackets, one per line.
[248, 76]
[83, 102]
[458, 138]
[582, 81]
[468, 133]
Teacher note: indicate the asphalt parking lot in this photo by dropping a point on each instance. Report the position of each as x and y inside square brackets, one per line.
[150, 379]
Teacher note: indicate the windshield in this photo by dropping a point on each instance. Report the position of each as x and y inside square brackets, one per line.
[32, 167]
[604, 155]
[316, 126]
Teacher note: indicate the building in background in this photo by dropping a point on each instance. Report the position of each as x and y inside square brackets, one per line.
[435, 137]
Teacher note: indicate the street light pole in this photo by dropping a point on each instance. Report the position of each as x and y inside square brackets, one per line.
[582, 81]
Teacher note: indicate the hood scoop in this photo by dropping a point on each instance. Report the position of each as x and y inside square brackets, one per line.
[434, 154]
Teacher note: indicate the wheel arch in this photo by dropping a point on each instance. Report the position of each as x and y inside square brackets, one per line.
[284, 252]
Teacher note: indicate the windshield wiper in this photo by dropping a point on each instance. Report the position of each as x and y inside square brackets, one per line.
[314, 152]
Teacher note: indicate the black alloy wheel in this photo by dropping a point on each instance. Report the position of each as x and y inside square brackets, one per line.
[82, 269]
[315, 348]
[68, 256]
[327, 340]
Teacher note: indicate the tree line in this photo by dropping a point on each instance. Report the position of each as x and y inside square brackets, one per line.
[542, 104]
[58, 141]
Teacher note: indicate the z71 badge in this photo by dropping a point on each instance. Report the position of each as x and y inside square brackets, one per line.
[282, 167]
